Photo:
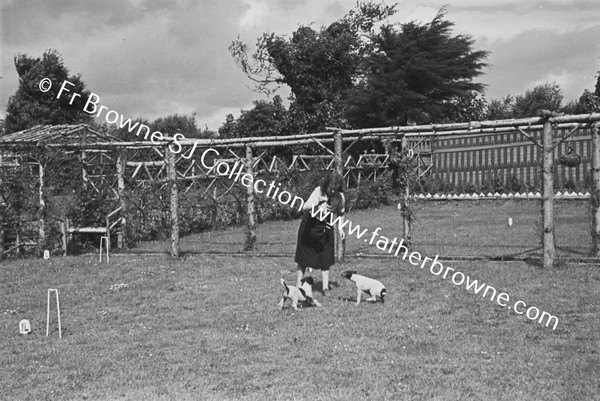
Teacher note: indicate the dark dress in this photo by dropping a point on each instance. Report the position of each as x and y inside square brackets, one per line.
[316, 245]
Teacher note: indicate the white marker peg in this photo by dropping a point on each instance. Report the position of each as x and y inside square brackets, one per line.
[24, 327]
[53, 290]
[510, 221]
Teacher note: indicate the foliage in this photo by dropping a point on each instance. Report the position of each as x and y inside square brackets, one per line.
[417, 75]
[547, 96]
[318, 66]
[170, 125]
[146, 212]
[500, 109]
[173, 124]
[19, 204]
[348, 75]
[471, 106]
[228, 128]
[29, 106]
[265, 119]
[65, 197]
[588, 102]
[124, 134]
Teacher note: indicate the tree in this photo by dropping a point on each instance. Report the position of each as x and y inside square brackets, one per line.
[29, 106]
[228, 129]
[471, 106]
[265, 119]
[547, 96]
[500, 109]
[318, 66]
[588, 102]
[418, 74]
[173, 124]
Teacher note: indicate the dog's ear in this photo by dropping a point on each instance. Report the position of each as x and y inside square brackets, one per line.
[310, 280]
[348, 273]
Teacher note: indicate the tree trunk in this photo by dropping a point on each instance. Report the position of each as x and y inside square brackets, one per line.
[339, 168]
[251, 230]
[42, 213]
[595, 193]
[548, 197]
[405, 201]
[121, 194]
[174, 202]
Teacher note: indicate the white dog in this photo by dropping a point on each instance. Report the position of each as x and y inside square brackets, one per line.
[365, 284]
[302, 293]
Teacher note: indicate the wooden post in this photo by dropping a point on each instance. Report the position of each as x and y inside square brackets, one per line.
[174, 202]
[84, 174]
[214, 210]
[42, 231]
[595, 197]
[339, 168]
[405, 200]
[121, 194]
[548, 196]
[64, 228]
[251, 229]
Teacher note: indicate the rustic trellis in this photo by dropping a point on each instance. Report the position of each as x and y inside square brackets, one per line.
[115, 164]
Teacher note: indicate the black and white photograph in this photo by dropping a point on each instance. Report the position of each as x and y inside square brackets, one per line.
[300, 200]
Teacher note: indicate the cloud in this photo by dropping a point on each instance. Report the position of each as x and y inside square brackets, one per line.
[256, 11]
[155, 58]
[538, 56]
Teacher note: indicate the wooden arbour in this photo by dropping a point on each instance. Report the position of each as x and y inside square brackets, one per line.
[115, 163]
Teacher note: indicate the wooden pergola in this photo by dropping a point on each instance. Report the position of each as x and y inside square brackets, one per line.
[157, 162]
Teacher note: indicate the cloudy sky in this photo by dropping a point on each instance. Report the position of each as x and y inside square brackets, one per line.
[151, 58]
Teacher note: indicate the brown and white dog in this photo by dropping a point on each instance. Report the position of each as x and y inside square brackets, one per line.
[365, 284]
[302, 293]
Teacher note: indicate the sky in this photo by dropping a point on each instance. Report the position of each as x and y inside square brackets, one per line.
[154, 58]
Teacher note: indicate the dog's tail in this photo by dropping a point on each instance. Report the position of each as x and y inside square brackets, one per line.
[286, 288]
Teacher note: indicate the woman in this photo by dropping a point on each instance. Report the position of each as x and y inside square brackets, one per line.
[315, 247]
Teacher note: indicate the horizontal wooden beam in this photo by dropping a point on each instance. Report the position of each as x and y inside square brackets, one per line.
[395, 132]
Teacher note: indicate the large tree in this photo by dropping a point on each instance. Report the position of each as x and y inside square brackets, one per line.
[179, 123]
[546, 96]
[420, 73]
[500, 109]
[266, 118]
[29, 106]
[317, 65]
[588, 102]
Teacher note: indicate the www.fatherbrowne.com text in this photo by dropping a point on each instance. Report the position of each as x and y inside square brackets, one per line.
[436, 268]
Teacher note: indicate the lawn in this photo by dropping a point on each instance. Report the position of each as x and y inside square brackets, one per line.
[208, 328]
[451, 229]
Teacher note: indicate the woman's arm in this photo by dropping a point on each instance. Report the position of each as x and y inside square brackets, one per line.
[313, 199]
[342, 213]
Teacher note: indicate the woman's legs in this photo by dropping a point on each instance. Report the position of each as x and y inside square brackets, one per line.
[300, 274]
[325, 274]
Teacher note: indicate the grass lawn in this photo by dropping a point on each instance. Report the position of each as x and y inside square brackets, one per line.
[208, 327]
[450, 229]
